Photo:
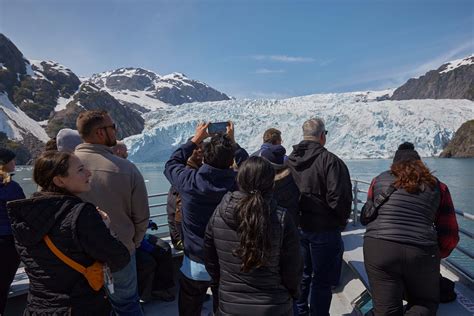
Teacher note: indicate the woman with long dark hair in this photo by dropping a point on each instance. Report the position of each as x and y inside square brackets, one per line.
[414, 228]
[9, 191]
[252, 247]
[77, 229]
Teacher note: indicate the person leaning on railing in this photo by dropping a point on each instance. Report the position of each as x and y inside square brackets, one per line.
[413, 229]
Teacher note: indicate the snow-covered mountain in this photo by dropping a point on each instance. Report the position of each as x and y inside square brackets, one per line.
[144, 90]
[452, 80]
[358, 125]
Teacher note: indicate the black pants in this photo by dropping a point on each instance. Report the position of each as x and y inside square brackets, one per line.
[10, 263]
[155, 269]
[192, 295]
[398, 270]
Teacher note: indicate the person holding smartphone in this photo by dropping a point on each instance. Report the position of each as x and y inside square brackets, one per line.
[201, 191]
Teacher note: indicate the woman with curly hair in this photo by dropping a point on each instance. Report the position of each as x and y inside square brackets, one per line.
[415, 227]
[252, 247]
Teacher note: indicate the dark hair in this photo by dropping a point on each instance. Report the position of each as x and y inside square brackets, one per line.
[51, 144]
[412, 175]
[48, 165]
[87, 121]
[272, 136]
[255, 178]
[219, 152]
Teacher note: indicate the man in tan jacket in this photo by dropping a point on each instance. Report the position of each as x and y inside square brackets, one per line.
[119, 190]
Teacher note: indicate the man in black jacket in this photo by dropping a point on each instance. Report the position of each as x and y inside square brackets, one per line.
[325, 205]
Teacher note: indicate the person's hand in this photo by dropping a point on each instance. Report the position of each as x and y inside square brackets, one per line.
[230, 131]
[104, 216]
[201, 133]
[152, 225]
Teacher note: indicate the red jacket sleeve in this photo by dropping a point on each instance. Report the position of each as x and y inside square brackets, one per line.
[446, 223]
[370, 191]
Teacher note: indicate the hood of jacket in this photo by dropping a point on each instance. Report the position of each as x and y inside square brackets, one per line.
[33, 218]
[304, 154]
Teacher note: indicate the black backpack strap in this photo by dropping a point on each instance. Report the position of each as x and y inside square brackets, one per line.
[383, 197]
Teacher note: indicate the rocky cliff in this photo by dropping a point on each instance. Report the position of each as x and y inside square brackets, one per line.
[462, 144]
[90, 97]
[453, 80]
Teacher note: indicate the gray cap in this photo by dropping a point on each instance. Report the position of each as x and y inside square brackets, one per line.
[67, 140]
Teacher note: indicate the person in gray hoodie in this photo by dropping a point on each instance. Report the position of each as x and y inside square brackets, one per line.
[118, 189]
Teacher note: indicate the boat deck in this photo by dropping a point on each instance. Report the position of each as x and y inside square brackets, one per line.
[353, 283]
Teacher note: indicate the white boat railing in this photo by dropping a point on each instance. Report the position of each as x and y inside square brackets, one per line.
[449, 262]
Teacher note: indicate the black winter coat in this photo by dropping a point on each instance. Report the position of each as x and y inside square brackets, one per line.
[325, 185]
[286, 192]
[77, 229]
[264, 291]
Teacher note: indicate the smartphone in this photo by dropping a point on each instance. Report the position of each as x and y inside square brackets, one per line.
[217, 128]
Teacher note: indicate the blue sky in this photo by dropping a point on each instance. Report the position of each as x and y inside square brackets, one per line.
[248, 49]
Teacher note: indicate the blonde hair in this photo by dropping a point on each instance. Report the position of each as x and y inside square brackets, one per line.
[5, 177]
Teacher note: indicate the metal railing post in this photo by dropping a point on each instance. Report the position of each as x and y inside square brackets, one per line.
[356, 200]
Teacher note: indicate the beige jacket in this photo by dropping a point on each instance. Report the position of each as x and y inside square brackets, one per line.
[118, 188]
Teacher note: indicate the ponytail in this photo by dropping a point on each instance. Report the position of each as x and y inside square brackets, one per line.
[253, 214]
[255, 180]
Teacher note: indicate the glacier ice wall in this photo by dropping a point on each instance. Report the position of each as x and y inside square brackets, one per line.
[358, 125]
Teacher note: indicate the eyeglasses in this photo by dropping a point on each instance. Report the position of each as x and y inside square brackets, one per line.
[113, 126]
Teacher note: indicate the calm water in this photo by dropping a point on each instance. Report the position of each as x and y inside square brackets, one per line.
[458, 174]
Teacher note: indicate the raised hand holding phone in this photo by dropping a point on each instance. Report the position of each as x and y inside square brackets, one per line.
[201, 133]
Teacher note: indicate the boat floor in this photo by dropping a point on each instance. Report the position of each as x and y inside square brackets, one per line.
[353, 282]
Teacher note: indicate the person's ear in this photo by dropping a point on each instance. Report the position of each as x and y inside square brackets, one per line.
[58, 182]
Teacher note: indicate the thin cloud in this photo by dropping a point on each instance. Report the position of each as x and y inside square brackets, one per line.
[265, 71]
[284, 58]
[398, 77]
[435, 63]
[325, 62]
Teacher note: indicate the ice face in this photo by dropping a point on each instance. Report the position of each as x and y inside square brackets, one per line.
[358, 125]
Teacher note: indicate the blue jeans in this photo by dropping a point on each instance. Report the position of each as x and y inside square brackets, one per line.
[125, 300]
[322, 269]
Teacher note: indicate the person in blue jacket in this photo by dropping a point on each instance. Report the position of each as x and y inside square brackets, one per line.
[201, 191]
[9, 191]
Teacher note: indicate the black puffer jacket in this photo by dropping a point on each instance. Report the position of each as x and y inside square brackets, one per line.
[286, 192]
[264, 291]
[325, 185]
[78, 231]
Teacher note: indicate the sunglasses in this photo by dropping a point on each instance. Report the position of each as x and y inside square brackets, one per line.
[113, 126]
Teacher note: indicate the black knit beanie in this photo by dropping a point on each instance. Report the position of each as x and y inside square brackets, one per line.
[406, 152]
[6, 155]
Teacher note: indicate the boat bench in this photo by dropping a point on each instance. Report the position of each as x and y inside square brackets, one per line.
[20, 284]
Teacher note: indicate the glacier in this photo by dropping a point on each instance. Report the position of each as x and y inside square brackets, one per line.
[359, 126]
